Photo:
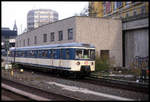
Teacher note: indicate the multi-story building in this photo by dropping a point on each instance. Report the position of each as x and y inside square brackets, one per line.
[96, 9]
[118, 9]
[134, 16]
[104, 34]
[39, 17]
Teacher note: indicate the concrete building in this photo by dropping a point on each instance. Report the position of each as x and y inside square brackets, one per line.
[104, 34]
[39, 17]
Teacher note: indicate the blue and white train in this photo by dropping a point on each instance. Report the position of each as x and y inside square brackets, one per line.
[67, 58]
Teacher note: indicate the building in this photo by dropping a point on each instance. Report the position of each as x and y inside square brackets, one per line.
[104, 34]
[96, 9]
[135, 24]
[39, 17]
[8, 38]
[111, 9]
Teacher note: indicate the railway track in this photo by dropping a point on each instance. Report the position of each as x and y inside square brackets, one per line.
[126, 85]
[11, 96]
[33, 93]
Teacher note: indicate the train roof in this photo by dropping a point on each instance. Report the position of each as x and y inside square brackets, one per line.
[56, 46]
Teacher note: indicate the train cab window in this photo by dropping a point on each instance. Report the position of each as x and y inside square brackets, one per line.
[85, 54]
[79, 54]
[92, 54]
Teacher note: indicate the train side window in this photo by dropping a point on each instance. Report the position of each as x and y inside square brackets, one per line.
[38, 53]
[28, 53]
[61, 53]
[42, 52]
[51, 53]
[45, 53]
[67, 53]
[54, 54]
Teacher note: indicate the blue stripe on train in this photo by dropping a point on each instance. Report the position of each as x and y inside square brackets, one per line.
[45, 66]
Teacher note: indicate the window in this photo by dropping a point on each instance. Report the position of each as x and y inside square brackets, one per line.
[54, 54]
[28, 41]
[23, 42]
[51, 53]
[61, 54]
[52, 36]
[104, 54]
[35, 40]
[67, 54]
[115, 6]
[44, 53]
[119, 4]
[85, 54]
[108, 7]
[60, 35]
[70, 34]
[44, 37]
[128, 3]
[20, 43]
[143, 10]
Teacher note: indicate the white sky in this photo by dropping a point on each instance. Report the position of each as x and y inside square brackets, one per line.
[15, 10]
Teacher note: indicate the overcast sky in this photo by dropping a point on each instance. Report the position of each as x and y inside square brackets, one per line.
[15, 10]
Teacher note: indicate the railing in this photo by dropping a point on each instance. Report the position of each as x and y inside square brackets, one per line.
[131, 18]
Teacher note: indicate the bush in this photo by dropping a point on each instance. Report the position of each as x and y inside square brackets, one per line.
[101, 64]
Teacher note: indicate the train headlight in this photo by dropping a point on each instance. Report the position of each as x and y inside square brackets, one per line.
[78, 63]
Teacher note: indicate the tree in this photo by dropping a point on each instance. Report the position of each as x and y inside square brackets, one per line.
[84, 12]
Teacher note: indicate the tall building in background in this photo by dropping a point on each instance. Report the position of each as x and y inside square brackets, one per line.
[96, 9]
[39, 17]
[112, 9]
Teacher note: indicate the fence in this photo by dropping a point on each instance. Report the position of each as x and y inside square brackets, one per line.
[140, 62]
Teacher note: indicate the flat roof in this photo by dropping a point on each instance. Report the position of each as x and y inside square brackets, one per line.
[69, 18]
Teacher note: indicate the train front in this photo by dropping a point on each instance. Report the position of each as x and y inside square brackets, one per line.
[84, 61]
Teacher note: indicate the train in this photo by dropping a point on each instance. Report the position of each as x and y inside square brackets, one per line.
[68, 58]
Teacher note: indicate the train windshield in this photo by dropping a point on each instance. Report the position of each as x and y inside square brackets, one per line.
[85, 54]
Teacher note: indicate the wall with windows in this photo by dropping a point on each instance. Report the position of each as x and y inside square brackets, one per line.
[104, 34]
[62, 31]
[119, 9]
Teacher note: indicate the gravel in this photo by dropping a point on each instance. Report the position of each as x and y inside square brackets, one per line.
[41, 81]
